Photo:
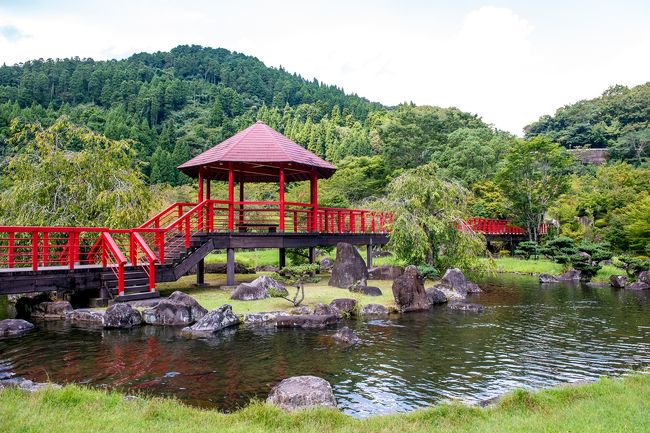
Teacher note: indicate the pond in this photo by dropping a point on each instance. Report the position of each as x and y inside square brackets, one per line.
[528, 337]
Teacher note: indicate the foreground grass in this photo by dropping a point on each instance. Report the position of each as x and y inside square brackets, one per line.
[213, 297]
[543, 266]
[607, 406]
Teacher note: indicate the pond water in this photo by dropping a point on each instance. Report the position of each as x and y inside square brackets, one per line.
[529, 337]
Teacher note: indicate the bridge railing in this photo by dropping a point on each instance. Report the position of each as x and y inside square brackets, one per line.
[491, 226]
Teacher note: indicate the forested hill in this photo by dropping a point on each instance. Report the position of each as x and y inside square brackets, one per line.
[618, 120]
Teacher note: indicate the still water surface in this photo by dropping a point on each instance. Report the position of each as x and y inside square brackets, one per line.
[529, 337]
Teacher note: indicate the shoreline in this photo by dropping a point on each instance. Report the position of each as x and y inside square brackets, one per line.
[564, 407]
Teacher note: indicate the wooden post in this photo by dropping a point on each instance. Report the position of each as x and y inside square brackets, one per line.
[200, 273]
[281, 199]
[282, 259]
[314, 200]
[230, 266]
[199, 221]
[369, 254]
[231, 197]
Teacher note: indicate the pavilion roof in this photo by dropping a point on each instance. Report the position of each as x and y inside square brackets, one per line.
[256, 154]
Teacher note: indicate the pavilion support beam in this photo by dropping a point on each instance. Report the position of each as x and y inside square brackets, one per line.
[312, 255]
[208, 183]
[200, 193]
[369, 254]
[231, 197]
[230, 266]
[314, 200]
[282, 259]
[200, 273]
[281, 193]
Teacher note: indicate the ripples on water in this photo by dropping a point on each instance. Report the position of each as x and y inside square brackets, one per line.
[529, 337]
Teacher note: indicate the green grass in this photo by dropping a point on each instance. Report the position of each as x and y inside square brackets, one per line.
[213, 297]
[607, 406]
[544, 266]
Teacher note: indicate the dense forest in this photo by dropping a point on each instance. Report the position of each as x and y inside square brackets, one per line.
[59, 119]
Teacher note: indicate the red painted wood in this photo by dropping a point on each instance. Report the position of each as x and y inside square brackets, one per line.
[314, 198]
[231, 198]
[281, 193]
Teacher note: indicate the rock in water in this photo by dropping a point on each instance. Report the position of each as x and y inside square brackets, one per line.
[374, 310]
[301, 392]
[86, 316]
[348, 267]
[639, 285]
[263, 318]
[169, 313]
[455, 279]
[618, 281]
[408, 291]
[326, 310]
[121, 316]
[643, 277]
[51, 310]
[385, 272]
[436, 296]
[570, 275]
[346, 306]
[211, 323]
[301, 310]
[462, 306]
[346, 336]
[14, 327]
[312, 321]
[196, 310]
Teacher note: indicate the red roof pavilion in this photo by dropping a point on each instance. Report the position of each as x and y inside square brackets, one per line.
[259, 154]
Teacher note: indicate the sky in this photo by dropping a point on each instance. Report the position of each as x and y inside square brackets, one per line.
[510, 62]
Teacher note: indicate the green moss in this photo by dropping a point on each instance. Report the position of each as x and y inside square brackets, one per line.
[609, 405]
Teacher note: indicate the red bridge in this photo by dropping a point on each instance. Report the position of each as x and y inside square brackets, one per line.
[497, 227]
[127, 264]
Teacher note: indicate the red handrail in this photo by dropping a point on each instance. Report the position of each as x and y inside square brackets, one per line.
[111, 247]
[136, 240]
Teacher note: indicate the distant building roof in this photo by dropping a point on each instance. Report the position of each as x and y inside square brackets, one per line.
[256, 154]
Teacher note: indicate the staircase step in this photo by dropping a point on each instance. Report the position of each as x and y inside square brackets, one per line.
[136, 296]
[129, 282]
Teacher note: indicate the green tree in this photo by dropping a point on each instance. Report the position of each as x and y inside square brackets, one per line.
[95, 186]
[427, 213]
[533, 175]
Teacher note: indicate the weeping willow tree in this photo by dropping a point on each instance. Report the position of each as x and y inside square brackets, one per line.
[429, 214]
[66, 175]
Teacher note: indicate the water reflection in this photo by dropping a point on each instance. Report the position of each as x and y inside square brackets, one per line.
[528, 337]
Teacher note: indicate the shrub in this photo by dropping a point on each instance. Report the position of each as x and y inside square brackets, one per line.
[528, 249]
[428, 272]
[298, 274]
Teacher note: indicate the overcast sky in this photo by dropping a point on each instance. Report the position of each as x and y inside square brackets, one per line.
[507, 61]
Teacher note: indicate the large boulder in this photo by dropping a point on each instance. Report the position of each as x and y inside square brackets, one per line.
[301, 310]
[346, 306]
[385, 272]
[348, 267]
[310, 321]
[14, 327]
[618, 281]
[168, 313]
[570, 275]
[326, 310]
[260, 288]
[455, 279]
[196, 310]
[436, 296]
[301, 392]
[85, 316]
[374, 310]
[211, 323]
[408, 291]
[370, 290]
[121, 315]
[643, 277]
[462, 306]
[451, 294]
[547, 279]
[51, 310]
[346, 336]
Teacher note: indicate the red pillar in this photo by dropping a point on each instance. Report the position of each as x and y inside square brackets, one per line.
[281, 199]
[314, 200]
[241, 198]
[231, 197]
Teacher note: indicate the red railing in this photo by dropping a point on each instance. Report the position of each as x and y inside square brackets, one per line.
[170, 231]
[498, 227]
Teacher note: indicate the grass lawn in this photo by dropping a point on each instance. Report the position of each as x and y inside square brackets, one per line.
[609, 405]
[213, 297]
[543, 266]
